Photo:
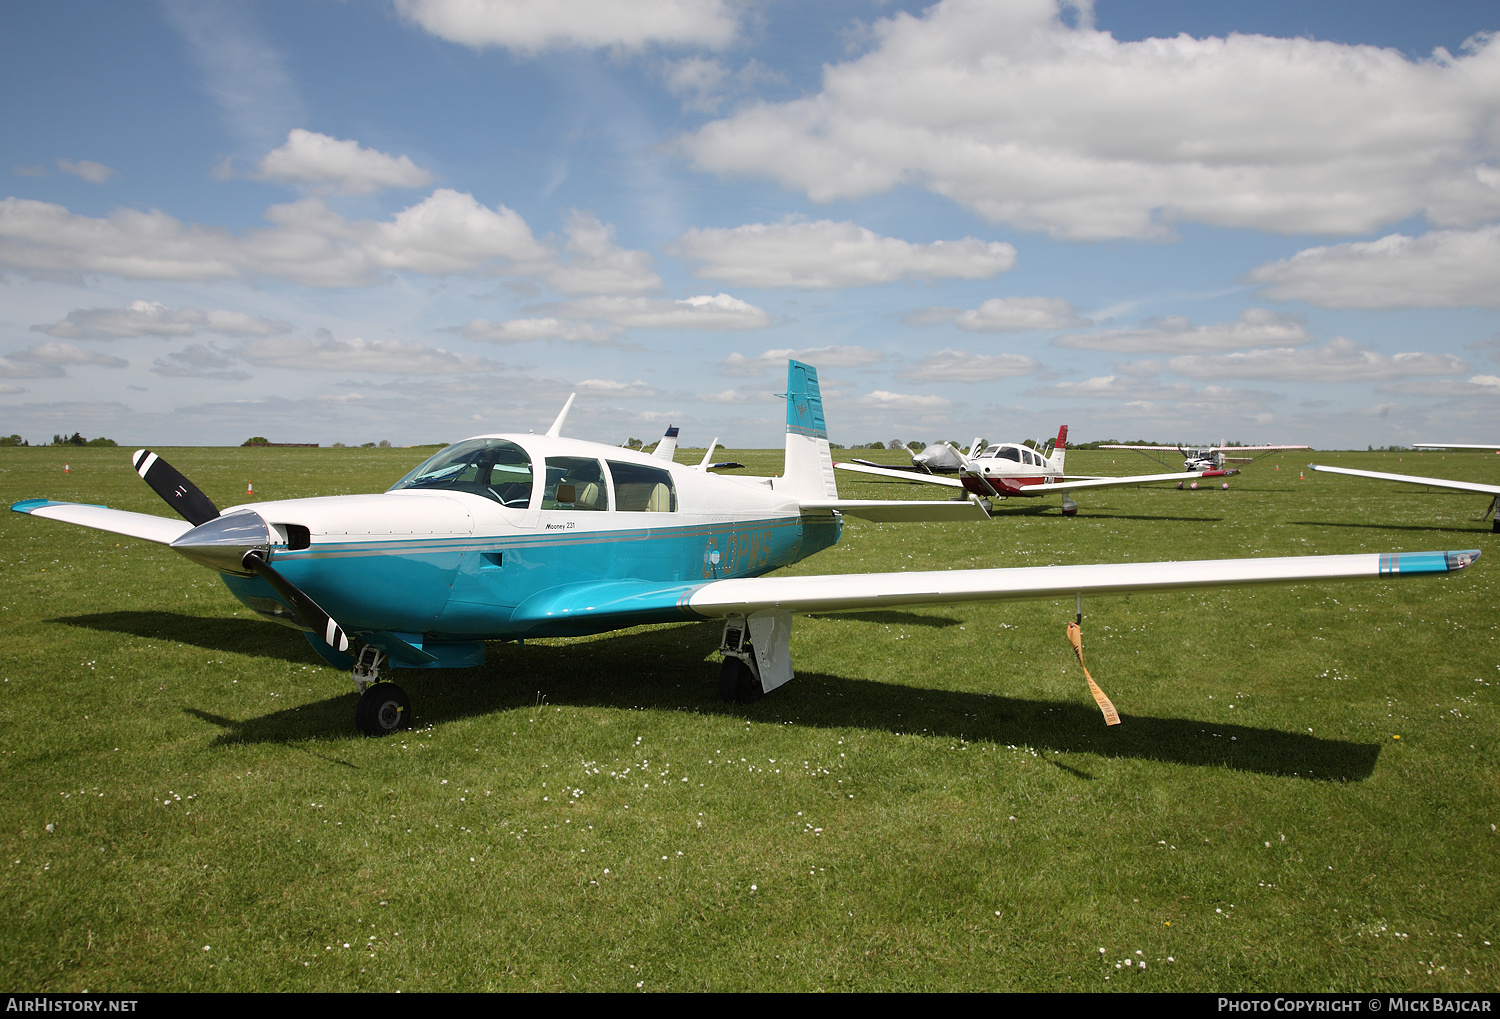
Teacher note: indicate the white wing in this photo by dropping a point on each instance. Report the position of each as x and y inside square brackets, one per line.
[163, 530]
[1135, 479]
[1453, 445]
[743, 596]
[1459, 486]
[901, 475]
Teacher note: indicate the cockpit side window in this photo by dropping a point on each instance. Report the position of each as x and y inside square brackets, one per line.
[1009, 453]
[641, 489]
[494, 468]
[575, 483]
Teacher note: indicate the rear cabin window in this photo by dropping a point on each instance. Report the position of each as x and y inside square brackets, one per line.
[640, 489]
[493, 468]
[575, 483]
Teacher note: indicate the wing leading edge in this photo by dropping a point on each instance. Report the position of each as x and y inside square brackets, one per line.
[1412, 479]
[162, 530]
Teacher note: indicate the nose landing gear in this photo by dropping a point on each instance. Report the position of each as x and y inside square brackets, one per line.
[383, 708]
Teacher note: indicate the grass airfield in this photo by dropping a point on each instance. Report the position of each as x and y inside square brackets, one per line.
[933, 803]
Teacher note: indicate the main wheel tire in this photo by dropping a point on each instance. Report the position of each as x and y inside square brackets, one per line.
[383, 709]
[737, 683]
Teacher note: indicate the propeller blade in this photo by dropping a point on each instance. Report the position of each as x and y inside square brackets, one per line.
[311, 613]
[180, 493]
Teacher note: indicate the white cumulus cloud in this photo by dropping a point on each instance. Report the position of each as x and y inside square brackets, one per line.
[1015, 314]
[596, 265]
[1441, 269]
[94, 173]
[338, 166]
[1340, 360]
[533, 26]
[882, 399]
[152, 318]
[524, 330]
[1023, 118]
[718, 312]
[1174, 334]
[962, 366]
[820, 357]
[827, 254]
[391, 356]
[307, 243]
[57, 353]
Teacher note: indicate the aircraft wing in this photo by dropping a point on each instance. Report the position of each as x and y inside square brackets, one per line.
[610, 604]
[899, 473]
[879, 590]
[903, 511]
[1133, 479]
[162, 530]
[1459, 486]
[1454, 445]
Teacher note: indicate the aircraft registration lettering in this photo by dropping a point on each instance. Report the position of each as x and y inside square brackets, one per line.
[743, 551]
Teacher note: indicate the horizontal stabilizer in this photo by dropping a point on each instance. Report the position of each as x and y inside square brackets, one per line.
[901, 511]
[742, 596]
[162, 530]
[1411, 479]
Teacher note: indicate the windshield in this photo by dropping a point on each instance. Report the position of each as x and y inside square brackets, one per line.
[493, 468]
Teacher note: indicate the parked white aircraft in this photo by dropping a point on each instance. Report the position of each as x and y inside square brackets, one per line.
[1006, 469]
[1210, 460]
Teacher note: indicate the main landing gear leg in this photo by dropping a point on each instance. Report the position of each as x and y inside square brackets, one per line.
[739, 678]
[383, 707]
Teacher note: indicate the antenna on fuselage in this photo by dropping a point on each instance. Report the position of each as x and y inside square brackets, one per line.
[556, 430]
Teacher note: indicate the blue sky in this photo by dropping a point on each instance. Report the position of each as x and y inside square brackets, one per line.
[424, 219]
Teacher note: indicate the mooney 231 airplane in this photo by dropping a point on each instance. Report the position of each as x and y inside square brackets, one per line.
[1493, 491]
[503, 537]
[1006, 469]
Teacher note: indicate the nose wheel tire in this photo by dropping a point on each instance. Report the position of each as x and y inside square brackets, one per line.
[383, 709]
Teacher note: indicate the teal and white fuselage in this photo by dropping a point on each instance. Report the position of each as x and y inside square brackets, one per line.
[452, 564]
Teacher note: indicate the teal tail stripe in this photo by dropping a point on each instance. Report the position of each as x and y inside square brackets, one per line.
[804, 401]
[1412, 563]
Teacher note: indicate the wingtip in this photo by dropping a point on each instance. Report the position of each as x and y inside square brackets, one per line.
[1462, 560]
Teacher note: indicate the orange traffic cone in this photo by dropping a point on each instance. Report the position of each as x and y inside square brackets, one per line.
[249, 488]
[65, 468]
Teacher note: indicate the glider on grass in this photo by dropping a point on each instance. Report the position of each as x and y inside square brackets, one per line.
[1493, 491]
[503, 537]
[1006, 469]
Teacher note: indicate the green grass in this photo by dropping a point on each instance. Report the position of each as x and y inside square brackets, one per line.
[934, 802]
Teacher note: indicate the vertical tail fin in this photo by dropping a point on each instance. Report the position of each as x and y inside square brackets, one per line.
[809, 463]
[1059, 451]
[667, 447]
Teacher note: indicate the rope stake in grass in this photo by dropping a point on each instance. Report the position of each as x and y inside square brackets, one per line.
[1075, 637]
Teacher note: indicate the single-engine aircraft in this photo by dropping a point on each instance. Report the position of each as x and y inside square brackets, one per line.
[1207, 461]
[1493, 491]
[504, 537]
[1006, 469]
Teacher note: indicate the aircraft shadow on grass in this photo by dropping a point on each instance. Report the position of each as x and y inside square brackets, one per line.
[1479, 527]
[670, 669]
